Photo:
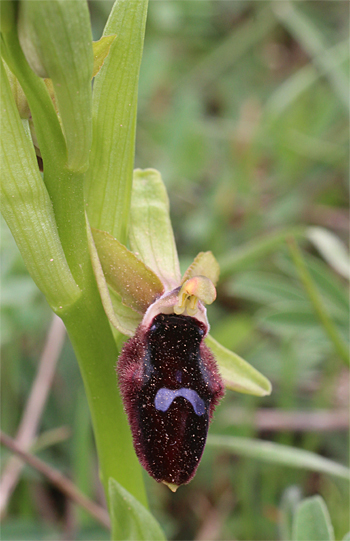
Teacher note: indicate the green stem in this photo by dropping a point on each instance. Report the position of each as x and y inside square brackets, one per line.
[71, 225]
[318, 306]
[97, 354]
[96, 351]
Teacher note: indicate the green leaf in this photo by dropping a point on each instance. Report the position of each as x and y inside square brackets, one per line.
[123, 318]
[151, 233]
[101, 50]
[340, 346]
[276, 453]
[238, 375]
[312, 521]
[287, 320]
[47, 127]
[24, 200]
[125, 273]
[263, 287]
[204, 264]
[109, 180]
[311, 40]
[56, 39]
[130, 520]
[291, 89]
[245, 255]
[346, 537]
[65, 187]
[333, 292]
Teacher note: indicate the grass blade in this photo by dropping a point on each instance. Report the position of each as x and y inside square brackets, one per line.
[276, 453]
[310, 39]
[331, 330]
[243, 256]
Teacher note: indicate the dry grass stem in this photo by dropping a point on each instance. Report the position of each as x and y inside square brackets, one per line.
[58, 480]
[35, 406]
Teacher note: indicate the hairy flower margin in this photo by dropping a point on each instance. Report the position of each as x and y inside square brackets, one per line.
[144, 296]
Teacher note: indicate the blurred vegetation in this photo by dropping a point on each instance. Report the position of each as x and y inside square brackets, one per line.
[243, 107]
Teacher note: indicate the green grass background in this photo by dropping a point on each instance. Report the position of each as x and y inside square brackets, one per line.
[243, 108]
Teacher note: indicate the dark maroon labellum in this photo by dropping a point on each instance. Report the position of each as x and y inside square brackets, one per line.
[170, 385]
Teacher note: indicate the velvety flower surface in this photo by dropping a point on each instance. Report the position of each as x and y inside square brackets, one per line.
[170, 385]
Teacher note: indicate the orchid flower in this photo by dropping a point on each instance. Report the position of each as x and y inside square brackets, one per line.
[171, 372]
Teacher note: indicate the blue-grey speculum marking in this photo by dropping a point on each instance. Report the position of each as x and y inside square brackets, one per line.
[165, 397]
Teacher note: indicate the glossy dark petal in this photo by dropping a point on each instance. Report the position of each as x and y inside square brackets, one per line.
[170, 386]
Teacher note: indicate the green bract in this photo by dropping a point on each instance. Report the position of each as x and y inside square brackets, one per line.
[67, 59]
[109, 179]
[24, 200]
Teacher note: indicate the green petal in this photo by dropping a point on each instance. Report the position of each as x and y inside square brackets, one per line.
[204, 264]
[151, 234]
[128, 319]
[238, 375]
[56, 39]
[101, 50]
[125, 273]
[122, 317]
